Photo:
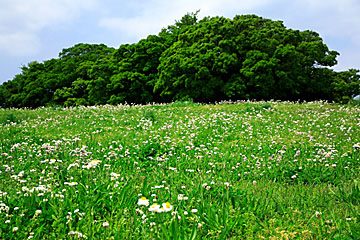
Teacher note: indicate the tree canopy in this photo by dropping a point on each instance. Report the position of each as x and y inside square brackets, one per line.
[207, 60]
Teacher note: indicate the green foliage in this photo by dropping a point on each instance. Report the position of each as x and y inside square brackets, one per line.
[234, 170]
[245, 58]
[207, 60]
[346, 85]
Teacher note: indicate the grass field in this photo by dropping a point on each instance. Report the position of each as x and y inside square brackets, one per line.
[246, 170]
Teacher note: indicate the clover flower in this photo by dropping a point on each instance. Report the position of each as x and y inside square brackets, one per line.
[318, 214]
[38, 212]
[194, 210]
[227, 184]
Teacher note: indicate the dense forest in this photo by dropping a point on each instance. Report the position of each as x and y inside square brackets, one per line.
[207, 60]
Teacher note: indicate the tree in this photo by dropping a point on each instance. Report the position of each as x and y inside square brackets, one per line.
[136, 72]
[346, 85]
[195, 66]
[245, 58]
[82, 74]
[208, 60]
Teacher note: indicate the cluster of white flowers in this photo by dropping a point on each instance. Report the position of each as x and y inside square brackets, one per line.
[3, 207]
[114, 176]
[155, 207]
[92, 164]
[77, 234]
[166, 207]
[206, 186]
[182, 197]
[173, 169]
[71, 183]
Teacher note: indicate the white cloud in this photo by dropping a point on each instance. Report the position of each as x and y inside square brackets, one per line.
[21, 21]
[157, 14]
[19, 44]
[333, 18]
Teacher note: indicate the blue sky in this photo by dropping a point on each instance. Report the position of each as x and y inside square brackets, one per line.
[37, 30]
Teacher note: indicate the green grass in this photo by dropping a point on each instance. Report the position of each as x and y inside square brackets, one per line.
[249, 170]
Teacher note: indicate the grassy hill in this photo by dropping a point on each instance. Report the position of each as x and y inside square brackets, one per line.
[254, 170]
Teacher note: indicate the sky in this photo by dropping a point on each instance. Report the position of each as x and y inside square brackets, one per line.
[37, 30]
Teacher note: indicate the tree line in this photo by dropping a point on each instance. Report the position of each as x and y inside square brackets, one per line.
[207, 60]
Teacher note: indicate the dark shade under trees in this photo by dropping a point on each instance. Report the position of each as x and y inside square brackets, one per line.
[208, 60]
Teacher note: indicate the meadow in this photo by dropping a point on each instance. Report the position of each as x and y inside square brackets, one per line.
[233, 170]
